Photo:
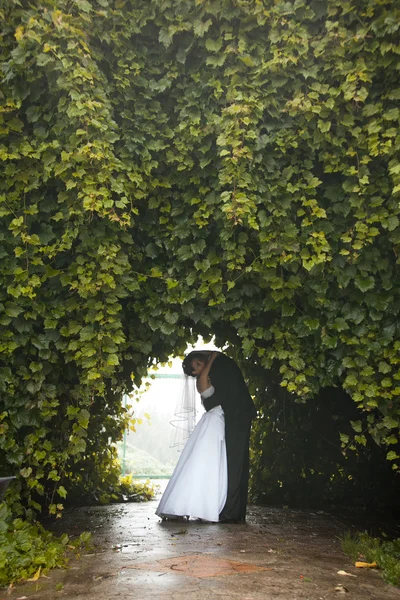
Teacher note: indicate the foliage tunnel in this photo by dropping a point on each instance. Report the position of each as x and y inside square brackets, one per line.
[216, 167]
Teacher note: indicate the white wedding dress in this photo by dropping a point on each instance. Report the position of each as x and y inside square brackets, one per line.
[199, 483]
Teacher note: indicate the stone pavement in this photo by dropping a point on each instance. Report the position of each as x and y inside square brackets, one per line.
[278, 554]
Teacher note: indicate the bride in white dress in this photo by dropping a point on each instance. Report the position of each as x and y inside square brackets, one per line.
[199, 483]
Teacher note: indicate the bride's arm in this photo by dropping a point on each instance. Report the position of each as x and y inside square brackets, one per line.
[203, 382]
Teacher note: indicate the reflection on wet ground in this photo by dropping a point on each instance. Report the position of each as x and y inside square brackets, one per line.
[279, 553]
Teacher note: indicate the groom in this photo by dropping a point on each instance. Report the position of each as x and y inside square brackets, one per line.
[232, 394]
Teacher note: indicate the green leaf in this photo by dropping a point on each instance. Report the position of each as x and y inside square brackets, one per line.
[390, 423]
[83, 5]
[83, 418]
[61, 491]
[351, 380]
[112, 359]
[214, 45]
[364, 283]
[165, 38]
[43, 59]
[391, 223]
[200, 27]
[324, 126]
[360, 439]
[357, 426]
[392, 455]
[297, 363]
[12, 310]
[26, 472]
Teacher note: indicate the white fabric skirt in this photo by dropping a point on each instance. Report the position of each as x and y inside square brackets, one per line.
[199, 483]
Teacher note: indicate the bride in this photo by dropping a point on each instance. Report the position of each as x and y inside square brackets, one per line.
[198, 486]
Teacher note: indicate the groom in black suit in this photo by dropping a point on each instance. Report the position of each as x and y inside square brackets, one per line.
[232, 394]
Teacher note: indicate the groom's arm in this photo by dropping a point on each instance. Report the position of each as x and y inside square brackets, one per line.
[211, 402]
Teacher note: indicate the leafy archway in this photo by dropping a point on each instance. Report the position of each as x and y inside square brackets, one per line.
[180, 168]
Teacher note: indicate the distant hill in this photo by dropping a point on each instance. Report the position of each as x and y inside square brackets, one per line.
[140, 462]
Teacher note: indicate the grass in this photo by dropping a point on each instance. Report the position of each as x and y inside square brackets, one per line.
[385, 553]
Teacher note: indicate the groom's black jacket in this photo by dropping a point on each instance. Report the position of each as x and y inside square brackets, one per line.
[230, 389]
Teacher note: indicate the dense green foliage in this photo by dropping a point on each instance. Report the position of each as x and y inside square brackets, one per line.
[182, 167]
[107, 488]
[27, 550]
[386, 553]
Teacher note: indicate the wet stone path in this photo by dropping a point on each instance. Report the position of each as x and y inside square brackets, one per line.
[279, 553]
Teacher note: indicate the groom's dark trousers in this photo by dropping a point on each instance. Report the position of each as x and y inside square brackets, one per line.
[237, 438]
[232, 394]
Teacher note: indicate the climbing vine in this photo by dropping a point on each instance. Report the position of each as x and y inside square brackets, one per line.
[174, 168]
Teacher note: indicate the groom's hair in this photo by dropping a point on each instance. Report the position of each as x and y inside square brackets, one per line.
[187, 362]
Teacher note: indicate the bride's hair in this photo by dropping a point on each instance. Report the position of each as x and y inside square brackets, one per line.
[187, 362]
